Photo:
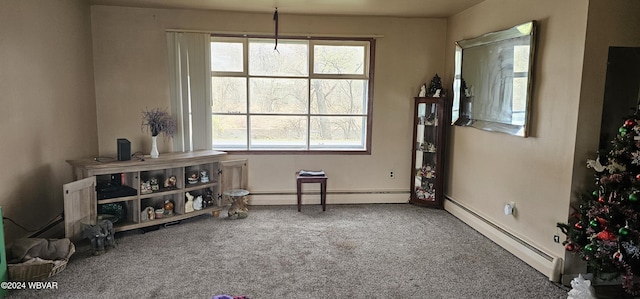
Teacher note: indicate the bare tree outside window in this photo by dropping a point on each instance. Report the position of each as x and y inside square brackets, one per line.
[307, 95]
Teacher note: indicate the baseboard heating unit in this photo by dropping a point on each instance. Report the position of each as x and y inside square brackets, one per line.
[538, 259]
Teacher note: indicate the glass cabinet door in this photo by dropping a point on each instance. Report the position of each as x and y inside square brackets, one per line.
[427, 153]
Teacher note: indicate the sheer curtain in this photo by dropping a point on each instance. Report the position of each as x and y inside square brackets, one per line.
[190, 89]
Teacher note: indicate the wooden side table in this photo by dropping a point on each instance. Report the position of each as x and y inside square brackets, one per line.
[301, 179]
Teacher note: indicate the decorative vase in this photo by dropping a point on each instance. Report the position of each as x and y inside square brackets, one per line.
[154, 147]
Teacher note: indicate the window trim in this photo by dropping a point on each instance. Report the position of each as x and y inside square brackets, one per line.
[370, 66]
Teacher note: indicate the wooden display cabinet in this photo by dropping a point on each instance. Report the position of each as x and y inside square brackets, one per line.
[127, 191]
[428, 150]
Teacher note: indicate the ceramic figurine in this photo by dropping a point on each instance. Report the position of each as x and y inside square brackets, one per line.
[207, 199]
[204, 176]
[145, 188]
[193, 178]
[188, 205]
[170, 182]
[197, 203]
[436, 83]
[168, 206]
[154, 184]
[423, 90]
[101, 235]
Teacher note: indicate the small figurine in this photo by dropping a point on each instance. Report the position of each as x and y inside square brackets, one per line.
[145, 187]
[423, 90]
[431, 120]
[436, 83]
[170, 182]
[193, 178]
[197, 203]
[168, 206]
[207, 199]
[154, 184]
[204, 176]
[101, 235]
[188, 205]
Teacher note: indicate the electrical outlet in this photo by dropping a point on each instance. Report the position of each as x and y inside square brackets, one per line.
[392, 174]
[556, 238]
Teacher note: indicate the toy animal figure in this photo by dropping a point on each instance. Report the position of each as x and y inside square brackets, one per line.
[197, 203]
[170, 182]
[101, 235]
[207, 199]
[188, 205]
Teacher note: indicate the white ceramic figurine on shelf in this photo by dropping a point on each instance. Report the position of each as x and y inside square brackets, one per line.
[204, 176]
[188, 206]
[197, 203]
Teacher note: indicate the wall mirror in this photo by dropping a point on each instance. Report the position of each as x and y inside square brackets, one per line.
[492, 83]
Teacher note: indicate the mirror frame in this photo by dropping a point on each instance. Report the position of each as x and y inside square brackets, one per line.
[463, 115]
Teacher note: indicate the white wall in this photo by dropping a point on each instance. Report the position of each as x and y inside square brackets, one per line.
[131, 75]
[48, 106]
[488, 170]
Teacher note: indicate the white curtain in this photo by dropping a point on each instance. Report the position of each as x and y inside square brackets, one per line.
[190, 89]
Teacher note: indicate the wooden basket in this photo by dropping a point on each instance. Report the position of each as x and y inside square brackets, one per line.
[38, 269]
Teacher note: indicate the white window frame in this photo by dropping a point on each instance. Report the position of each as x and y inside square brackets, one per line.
[367, 75]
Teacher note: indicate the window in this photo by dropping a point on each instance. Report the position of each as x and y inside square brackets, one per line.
[303, 95]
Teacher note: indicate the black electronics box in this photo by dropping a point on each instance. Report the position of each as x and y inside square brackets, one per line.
[112, 186]
[124, 149]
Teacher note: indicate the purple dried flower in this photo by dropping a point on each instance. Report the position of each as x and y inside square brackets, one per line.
[158, 121]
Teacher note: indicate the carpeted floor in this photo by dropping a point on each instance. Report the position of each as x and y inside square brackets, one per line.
[349, 251]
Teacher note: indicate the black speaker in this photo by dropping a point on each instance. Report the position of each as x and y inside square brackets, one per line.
[124, 149]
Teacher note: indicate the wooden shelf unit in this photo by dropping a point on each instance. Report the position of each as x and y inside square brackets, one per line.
[83, 207]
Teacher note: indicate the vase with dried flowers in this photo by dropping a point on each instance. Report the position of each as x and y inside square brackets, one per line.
[158, 121]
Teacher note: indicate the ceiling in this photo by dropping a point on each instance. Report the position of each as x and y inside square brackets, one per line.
[393, 8]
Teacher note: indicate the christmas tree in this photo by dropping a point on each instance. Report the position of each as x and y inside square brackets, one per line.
[605, 229]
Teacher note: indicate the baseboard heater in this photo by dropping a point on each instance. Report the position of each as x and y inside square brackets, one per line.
[538, 259]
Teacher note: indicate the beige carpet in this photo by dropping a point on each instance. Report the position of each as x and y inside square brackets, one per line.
[349, 251]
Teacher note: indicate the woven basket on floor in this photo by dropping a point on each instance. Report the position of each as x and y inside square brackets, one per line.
[38, 270]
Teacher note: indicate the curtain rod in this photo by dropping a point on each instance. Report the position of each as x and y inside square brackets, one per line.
[271, 33]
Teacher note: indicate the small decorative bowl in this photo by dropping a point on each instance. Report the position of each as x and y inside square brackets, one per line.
[159, 213]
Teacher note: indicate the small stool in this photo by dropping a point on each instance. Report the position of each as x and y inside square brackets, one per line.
[238, 207]
[312, 179]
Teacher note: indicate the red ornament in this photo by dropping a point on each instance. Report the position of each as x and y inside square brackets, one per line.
[606, 235]
[638, 176]
[570, 247]
[578, 226]
[629, 123]
[617, 256]
[601, 199]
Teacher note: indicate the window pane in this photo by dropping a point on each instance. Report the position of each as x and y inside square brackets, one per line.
[278, 132]
[335, 132]
[330, 96]
[519, 100]
[278, 95]
[226, 57]
[229, 95]
[229, 132]
[339, 60]
[520, 59]
[291, 58]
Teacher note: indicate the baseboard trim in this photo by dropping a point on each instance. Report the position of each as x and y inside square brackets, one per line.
[333, 197]
[538, 259]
